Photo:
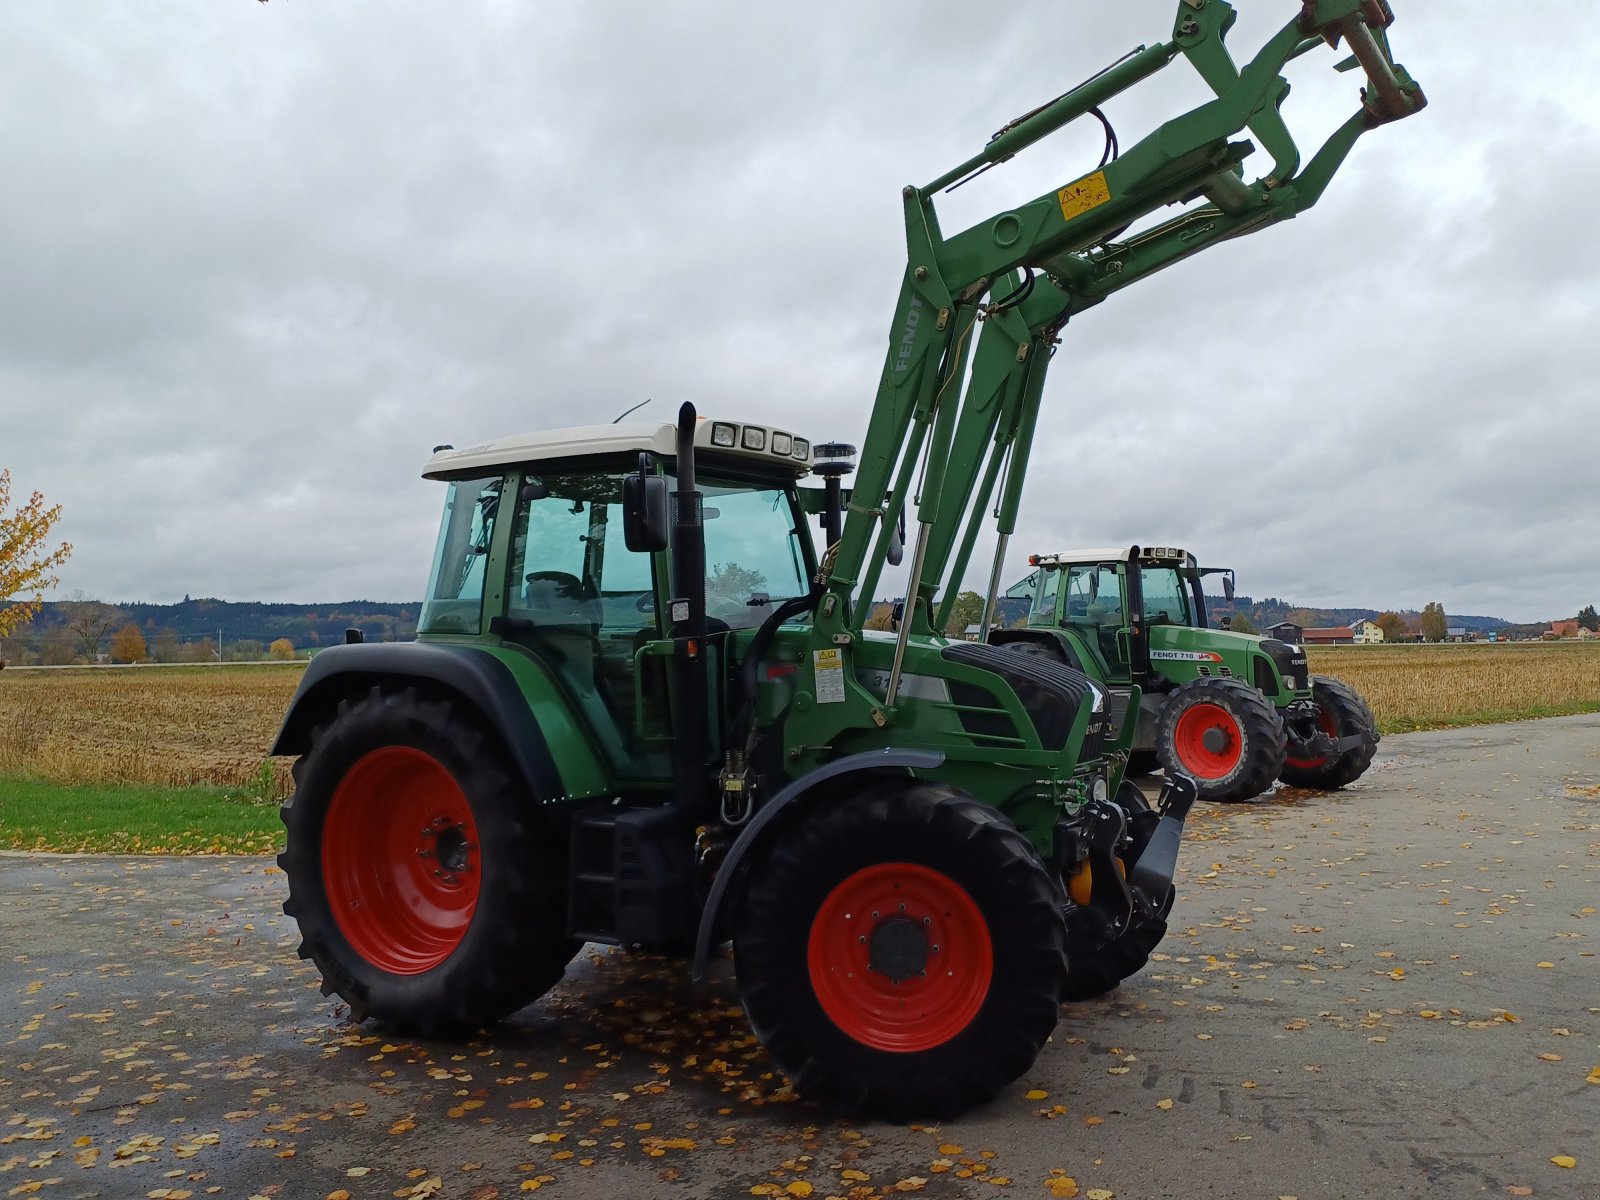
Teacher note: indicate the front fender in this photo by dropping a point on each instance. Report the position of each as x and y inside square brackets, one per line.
[788, 797]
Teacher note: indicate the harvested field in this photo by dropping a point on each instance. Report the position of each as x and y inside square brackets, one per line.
[167, 726]
[177, 726]
[1433, 687]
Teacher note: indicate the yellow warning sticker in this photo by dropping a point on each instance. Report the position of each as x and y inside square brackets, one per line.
[1088, 193]
[829, 668]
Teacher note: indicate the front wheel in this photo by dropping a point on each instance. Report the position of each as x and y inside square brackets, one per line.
[421, 892]
[1222, 734]
[1341, 713]
[901, 953]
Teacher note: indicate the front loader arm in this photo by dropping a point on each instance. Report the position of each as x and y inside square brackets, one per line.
[937, 444]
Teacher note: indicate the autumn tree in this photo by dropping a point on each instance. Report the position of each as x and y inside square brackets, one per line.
[1392, 624]
[282, 650]
[27, 565]
[1242, 624]
[882, 617]
[1433, 623]
[733, 582]
[89, 622]
[966, 610]
[128, 644]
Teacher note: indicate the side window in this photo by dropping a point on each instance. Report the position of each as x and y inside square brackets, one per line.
[454, 603]
[1094, 595]
[1044, 602]
[569, 564]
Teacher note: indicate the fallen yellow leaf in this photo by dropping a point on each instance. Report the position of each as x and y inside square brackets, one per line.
[799, 1188]
[1100, 1194]
[1036, 1094]
[1564, 1160]
[1163, 1104]
[853, 1175]
[1549, 1058]
[1547, 965]
[1063, 1187]
[949, 1148]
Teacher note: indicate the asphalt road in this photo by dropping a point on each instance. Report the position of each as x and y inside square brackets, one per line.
[1390, 991]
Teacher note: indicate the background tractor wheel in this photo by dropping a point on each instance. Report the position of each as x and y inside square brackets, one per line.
[1341, 712]
[900, 953]
[1096, 968]
[421, 892]
[1224, 735]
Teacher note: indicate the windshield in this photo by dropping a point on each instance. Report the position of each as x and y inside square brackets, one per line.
[755, 558]
[455, 585]
[1166, 598]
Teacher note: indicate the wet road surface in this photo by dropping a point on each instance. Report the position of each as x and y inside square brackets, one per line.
[1389, 991]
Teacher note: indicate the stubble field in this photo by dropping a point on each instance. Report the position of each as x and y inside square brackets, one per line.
[211, 726]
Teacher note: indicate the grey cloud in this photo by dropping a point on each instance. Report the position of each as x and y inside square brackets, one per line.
[255, 260]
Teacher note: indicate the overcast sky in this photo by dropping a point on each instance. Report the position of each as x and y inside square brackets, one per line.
[257, 259]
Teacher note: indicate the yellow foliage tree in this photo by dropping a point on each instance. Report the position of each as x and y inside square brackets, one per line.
[282, 649]
[25, 565]
[128, 644]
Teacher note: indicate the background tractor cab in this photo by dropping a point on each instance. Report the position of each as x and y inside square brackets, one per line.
[1234, 711]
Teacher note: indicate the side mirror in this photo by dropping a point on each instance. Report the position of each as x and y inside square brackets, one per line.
[644, 510]
[896, 550]
[1227, 586]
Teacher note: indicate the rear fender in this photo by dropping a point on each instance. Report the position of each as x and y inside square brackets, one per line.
[465, 674]
[807, 790]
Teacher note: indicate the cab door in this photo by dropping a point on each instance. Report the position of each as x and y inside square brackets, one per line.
[585, 605]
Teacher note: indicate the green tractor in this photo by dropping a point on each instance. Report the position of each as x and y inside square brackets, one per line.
[642, 708]
[1234, 712]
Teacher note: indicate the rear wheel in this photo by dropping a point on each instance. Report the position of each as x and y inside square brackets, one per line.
[1341, 713]
[420, 890]
[1222, 734]
[900, 953]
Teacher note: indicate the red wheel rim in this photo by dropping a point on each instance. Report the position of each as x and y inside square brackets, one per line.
[919, 913]
[1189, 741]
[400, 860]
[1326, 724]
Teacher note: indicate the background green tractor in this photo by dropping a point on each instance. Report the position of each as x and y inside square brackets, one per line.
[1234, 711]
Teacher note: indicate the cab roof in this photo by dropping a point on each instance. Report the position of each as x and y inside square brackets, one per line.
[751, 444]
[1064, 558]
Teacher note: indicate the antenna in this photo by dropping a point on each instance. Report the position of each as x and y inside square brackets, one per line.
[634, 409]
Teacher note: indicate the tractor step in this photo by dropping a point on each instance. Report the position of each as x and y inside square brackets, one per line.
[631, 877]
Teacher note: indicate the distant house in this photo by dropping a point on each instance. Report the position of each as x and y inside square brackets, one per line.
[1368, 632]
[1562, 629]
[1286, 631]
[1336, 635]
[1457, 633]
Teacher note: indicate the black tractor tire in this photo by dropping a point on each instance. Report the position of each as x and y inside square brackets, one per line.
[1342, 713]
[865, 1023]
[1095, 969]
[423, 891]
[1143, 762]
[1224, 735]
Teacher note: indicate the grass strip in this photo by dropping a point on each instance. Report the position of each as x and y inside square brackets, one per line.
[134, 819]
[1417, 723]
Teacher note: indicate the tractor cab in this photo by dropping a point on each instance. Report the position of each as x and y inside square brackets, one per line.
[535, 559]
[1125, 606]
